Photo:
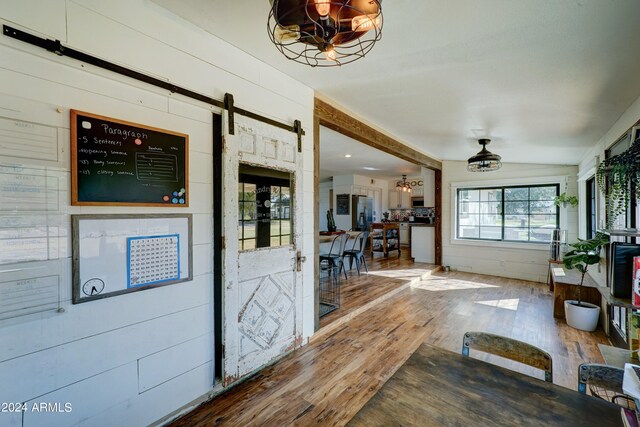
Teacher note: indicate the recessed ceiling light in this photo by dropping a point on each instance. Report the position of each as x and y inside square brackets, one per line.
[370, 168]
[347, 155]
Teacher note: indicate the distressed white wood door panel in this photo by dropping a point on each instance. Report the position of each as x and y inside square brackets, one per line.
[263, 291]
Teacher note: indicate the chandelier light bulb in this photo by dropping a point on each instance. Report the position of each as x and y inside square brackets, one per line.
[366, 22]
[289, 33]
[331, 53]
[323, 7]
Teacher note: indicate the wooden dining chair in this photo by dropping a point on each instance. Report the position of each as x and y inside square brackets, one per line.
[510, 349]
[604, 382]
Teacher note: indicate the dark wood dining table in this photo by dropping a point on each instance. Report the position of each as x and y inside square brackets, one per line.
[436, 387]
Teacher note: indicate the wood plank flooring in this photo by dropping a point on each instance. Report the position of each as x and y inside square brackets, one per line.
[357, 292]
[327, 381]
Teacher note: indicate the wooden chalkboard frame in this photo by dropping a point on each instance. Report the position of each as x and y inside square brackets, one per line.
[74, 162]
[77, 297]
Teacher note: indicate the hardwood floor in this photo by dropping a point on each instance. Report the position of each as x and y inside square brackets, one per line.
[357, 293]
[327, 381]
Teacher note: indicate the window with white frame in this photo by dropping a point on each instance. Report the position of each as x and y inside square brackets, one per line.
[511, 214]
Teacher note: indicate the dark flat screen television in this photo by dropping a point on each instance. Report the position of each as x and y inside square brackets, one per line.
[621, 272]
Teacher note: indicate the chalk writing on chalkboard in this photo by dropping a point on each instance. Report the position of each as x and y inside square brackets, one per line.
[114, 162]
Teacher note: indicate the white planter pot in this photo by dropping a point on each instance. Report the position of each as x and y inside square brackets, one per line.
[583, 317]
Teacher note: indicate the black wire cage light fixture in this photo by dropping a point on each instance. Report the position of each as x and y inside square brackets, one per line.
[325, 33]
[485, 160]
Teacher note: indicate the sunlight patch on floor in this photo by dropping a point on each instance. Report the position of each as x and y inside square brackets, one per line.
[401, 274]
[450, 285]
[508, 304]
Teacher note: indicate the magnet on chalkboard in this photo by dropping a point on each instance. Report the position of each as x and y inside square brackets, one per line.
[175, 194]
[182, 201]
[165, 198]
[86, 124]
[174, 201]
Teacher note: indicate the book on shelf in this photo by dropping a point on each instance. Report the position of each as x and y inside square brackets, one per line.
[629, 417]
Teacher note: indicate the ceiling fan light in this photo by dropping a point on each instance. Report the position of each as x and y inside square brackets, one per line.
[302, 30]
[485, 160]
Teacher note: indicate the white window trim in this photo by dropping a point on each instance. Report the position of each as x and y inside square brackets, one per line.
[560, 180]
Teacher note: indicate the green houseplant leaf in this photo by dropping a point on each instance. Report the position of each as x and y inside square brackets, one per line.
[583, 254]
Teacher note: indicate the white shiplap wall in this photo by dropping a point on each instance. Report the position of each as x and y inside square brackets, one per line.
[587, 169]
[130, 360]
[527, 262]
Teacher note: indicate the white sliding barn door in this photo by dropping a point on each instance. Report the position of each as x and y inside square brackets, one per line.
[262, 295]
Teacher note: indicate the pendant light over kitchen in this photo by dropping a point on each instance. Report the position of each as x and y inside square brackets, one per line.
[325, 33]
[485, 160]
[403, 185]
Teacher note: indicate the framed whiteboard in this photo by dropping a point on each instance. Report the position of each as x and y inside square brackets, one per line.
[117, 254]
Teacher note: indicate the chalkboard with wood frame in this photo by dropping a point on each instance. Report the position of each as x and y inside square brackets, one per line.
[115, 162]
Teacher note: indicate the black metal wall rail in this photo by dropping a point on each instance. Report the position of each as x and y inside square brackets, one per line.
[56, 47]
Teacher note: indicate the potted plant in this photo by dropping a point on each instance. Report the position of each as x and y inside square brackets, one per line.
[617, 176]
[564, 199]
[580, 314]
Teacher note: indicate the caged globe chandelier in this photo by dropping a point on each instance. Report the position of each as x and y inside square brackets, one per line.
[325, 33]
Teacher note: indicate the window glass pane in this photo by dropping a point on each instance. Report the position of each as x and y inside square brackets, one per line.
[249, 229]
[542, 207]
[275, 194]
[493, 233]
[286, 240]
[275, 228]
[275, 240]
[543, 193]
[469, 207]
[516, 221]
[516, 193]
[491, 195]
[516, 208]
[542, 234]
[494, 220]
[286, 227]
[543, 220]
[491, 208]
[469, 232]
[469, 220]
[248, 211]
[249, 244]
[469, 195]
[249, 193]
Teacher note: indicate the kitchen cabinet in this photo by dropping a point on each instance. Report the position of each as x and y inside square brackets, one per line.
[423, 244]
[394, 202]
[405, 229]
[417, 192]
[399, 199]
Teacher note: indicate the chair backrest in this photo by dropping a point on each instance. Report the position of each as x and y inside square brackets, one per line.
[599, 375]
[510, 349]
[356, 240]
[337, 245]
[363, 240]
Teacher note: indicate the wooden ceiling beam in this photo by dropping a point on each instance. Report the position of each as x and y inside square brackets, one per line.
[336, 119]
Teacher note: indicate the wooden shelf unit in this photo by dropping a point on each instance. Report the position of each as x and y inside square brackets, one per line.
[385, 238]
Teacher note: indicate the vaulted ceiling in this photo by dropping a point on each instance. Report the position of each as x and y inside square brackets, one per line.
[544, 79]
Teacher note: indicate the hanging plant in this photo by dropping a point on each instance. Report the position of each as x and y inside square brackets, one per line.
[565, 200]
[616, 176]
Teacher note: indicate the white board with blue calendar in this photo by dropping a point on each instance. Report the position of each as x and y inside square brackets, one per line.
[117, 254]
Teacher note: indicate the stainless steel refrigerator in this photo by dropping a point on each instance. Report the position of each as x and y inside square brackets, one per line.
[362, 212]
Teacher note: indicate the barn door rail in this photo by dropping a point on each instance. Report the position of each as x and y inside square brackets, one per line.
[55, 46]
